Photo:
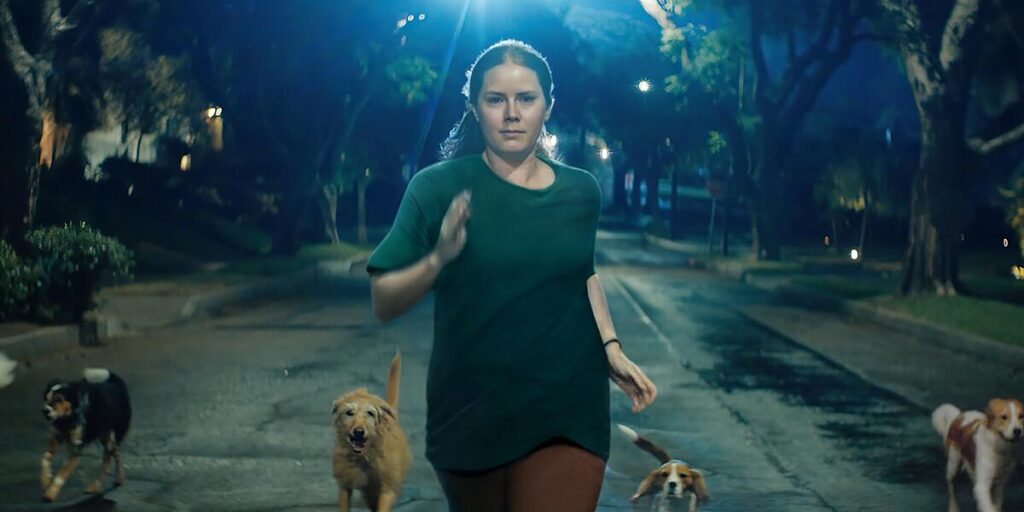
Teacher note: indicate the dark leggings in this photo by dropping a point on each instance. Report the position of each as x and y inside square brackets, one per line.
[557, 476]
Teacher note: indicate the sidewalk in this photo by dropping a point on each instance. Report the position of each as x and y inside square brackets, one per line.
[924, 363]
[136, 308]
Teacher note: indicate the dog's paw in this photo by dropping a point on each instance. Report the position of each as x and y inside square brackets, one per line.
[50, 495]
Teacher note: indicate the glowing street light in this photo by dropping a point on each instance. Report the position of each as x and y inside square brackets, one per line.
[215, 126]
[644, 85]
[605, 153]
[854, 254]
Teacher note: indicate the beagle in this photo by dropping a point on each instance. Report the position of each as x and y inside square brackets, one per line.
[674, 477]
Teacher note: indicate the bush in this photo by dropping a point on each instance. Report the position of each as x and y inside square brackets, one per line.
[18, 283]
[74, 261]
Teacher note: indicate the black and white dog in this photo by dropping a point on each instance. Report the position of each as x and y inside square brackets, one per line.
[95, 408]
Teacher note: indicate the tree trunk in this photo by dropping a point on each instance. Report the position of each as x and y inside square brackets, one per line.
[937, 206]
[138, 147]
[652, 175]
[725, 228]
[634, 195]
[619, 185]
[834, 243]
[766, 243]
[864, 231]
[361, 211]
[286, 233]
[329, 212]
[674, 223]
[21, 215]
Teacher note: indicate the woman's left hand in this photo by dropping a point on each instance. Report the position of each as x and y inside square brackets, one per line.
[628, 376]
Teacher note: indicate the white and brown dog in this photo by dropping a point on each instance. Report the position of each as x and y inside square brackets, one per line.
[370, 450]
[985, 445]
[673, 477]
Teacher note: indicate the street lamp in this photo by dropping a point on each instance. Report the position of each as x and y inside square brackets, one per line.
[644, 85]
[604, 153]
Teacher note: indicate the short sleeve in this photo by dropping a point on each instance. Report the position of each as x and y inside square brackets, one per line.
[408, 240]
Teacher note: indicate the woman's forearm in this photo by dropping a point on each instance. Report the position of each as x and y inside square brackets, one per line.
[393, 293]
[599, 305]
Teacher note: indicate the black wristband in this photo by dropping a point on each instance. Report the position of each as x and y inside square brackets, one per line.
[613, 340]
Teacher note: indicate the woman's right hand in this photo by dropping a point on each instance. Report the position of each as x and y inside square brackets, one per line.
[453, 229]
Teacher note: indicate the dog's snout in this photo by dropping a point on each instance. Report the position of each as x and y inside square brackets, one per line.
[1017, 432]
[672, 485]
[359, 433]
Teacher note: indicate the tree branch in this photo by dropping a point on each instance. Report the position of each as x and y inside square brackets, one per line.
[52, 21]
[763, 82]
[816, 51]
[282, 152]
[21, 60]
[923, 71]
[983, 147]
[959, 27]
[1004, 17]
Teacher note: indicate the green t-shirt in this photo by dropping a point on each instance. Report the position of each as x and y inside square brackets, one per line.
[517, 357]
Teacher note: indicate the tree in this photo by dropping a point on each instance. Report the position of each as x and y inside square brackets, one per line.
[935, 42]
[311, 82]
[728, 71]
[143, 92]
[39, 72]
[853, 181]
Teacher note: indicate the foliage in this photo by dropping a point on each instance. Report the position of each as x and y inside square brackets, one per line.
[18, 283]
[854, 178]
[1014, 194]
[143, 91]
[74, 260]
[413, 77]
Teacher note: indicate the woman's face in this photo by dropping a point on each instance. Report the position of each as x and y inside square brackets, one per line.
[511, 109]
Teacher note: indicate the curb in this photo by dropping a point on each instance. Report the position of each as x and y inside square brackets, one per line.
[53, 338]
[950, 338]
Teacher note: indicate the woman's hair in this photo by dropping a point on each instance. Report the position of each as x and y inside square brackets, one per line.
[465, 138]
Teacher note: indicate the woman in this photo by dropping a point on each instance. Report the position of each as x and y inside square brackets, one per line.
[517, 401]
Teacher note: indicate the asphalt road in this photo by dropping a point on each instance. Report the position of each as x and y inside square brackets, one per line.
[233, 413]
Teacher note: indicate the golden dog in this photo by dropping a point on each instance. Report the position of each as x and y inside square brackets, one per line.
[370, 450]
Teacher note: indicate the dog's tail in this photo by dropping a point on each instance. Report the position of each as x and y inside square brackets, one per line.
[645, 444]
[942, 417]
[96, 375]
[392, 392]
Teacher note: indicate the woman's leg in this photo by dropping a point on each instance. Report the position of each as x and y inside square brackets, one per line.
[482, 491]
[560, 476]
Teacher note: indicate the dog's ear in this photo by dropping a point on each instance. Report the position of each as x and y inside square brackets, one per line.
[647, 484]
[994, 409]
[49, 386]
[700, 486]
[388, 412]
